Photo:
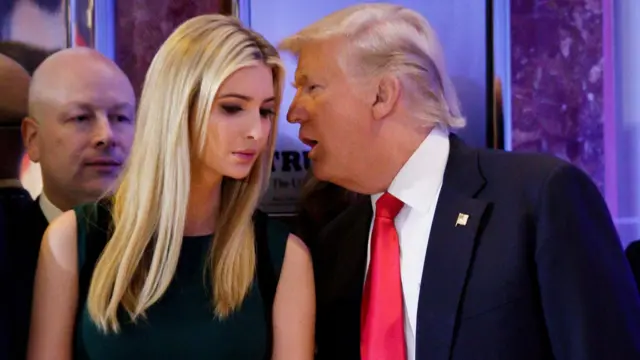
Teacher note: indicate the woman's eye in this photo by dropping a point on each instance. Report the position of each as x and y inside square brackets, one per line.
[231, 109]
[267, 113]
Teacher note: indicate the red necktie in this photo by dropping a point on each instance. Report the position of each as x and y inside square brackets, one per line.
[382, 315]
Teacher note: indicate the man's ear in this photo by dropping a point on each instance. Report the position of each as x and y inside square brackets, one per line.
[387, 97]
[29, 129]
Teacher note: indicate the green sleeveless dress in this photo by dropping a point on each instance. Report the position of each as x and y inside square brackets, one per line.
[181, 325]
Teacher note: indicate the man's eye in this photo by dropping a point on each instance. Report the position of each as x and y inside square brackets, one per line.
[81, 118]
[121, 118]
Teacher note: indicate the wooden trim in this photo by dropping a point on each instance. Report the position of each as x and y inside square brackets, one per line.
[226, 7]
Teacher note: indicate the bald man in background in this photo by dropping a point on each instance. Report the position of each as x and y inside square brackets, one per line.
[79, 128]
[14, 88]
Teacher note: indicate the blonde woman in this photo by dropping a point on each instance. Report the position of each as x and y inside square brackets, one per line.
[171, 268]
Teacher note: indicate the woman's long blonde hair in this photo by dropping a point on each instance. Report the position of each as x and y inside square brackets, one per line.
[150, 204]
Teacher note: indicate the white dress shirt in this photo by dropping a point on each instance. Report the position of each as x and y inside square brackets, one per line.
[417, 185]
[49, 210]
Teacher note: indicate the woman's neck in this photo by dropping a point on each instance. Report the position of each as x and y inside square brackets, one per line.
[204, 203]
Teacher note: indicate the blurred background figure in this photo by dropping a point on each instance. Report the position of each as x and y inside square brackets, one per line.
[29, 31]
[14, 89]
[27, 55]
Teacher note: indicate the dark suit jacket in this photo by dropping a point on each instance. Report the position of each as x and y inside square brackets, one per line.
[633, 255]
[25, 226]
[4, 284]
[537, 273]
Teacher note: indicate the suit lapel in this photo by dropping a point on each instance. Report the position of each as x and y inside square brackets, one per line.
[456, 224]
[39, 217]
[340, 279]
[350, 254]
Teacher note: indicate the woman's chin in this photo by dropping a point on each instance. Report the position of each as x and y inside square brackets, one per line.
[237, 175]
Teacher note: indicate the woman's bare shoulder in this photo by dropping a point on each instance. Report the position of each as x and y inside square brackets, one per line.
[60, 240]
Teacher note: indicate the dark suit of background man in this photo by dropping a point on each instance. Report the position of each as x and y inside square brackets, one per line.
[14, 199]
[633, 255]
[500, 255]
[22, 217]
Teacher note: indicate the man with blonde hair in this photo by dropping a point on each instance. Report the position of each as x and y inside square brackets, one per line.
[459, 253]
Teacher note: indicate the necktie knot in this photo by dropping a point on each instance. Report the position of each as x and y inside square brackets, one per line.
[388, 206]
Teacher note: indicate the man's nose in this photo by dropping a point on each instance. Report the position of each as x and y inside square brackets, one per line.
[297, 113]
[104, 135]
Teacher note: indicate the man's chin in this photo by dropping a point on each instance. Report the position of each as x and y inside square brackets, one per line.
[320, 171]
[100, 188]
[312, 152]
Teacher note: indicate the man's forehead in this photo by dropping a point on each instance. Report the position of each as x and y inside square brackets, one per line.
[315, 51]
[321, 51]
[96, 81]
[305, 64]
[104, 102]
[95, 89]
[86, 101]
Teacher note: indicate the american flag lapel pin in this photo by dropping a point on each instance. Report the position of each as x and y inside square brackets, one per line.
[462, 219]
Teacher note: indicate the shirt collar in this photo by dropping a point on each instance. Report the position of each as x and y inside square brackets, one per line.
[50, 211]
[420, 178]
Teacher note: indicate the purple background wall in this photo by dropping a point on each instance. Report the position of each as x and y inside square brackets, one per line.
[143, 25]
[557, 80]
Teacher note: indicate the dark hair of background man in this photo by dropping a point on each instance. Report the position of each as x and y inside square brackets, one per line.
[28, 56]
